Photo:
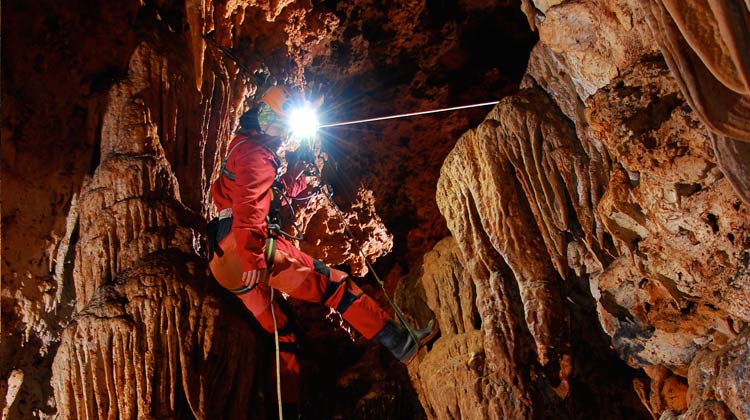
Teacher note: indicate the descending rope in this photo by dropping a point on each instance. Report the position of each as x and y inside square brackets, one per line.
[400, 315]
[278, 357]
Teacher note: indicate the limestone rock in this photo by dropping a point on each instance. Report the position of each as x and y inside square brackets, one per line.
[350, 237]
[706, 46]
[656, 229]
[663, 299]
[595, 39]
[468, 393]
[148, 339]
[449, 289]
[126, 114]
[707, 49]
[720, 377]
[480, 192]
[666, 393]
[155, 344]
[594, 219]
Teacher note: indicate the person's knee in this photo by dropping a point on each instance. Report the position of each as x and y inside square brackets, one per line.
[321, 268]
[340, 292]
[334, 280]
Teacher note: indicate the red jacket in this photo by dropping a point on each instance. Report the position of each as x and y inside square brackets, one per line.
[248, 195]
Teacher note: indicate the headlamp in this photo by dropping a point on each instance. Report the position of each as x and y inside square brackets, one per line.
[303, 122]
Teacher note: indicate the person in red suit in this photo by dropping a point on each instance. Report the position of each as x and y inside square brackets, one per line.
[250, 256]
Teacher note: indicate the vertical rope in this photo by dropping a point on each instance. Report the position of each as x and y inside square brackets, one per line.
[400, 315]
[278, 364]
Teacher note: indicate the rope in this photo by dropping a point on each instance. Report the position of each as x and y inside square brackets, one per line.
[276, 227]
[227, 52]
[400, 315]
[410, 114]
[278, 357]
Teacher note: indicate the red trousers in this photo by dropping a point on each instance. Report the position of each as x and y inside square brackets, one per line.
[302, 277]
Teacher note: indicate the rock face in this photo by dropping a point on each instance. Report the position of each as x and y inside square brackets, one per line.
[706, 47]
[149, 336]
[599, 173]
[584, 248]
[115, 121]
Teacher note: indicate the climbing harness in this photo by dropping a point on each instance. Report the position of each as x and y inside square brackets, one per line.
[276, 220]
[279, 200]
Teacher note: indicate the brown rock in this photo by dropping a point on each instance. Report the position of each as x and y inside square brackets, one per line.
[595, 40]
[706, 46]
[480, 192]
[661, 299]
[449, 290]
[675, 221]
[595, 197]
[707, 49]
[722, 376]
[154, 343]
[666, 392]
[147, 339]
[454, 380]
[349, 237]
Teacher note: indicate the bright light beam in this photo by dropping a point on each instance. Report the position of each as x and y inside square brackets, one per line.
[411, 114]
[303, 122]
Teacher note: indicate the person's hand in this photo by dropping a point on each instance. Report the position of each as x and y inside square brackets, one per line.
[251, 278]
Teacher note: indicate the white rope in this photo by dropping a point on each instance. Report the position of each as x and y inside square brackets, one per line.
[411, 114]
[278, 365]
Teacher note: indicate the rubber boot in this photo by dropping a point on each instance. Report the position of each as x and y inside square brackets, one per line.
[397, 339]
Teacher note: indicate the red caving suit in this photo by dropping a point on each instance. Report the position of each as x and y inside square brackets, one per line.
[293, 272]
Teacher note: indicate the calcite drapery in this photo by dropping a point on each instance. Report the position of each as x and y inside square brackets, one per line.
[656, 230]
[149, 339]
[459, 353]
[707, 47]
[481, 193]
[634, 207]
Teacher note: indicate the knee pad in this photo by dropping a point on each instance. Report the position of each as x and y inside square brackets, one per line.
[331, 284]
[337, 279]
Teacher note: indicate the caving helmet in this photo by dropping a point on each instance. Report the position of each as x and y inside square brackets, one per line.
[271, 114]
[279, 99]
[273, 111]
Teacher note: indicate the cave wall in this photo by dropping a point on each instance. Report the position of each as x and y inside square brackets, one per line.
[598, 254]
[389, 58]
[596, 191]
[114, 120]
